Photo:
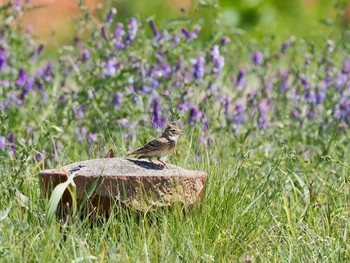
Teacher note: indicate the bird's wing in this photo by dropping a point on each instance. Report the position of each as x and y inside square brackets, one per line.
[150, 146]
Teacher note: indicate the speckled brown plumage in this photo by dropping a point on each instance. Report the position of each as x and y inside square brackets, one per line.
[160, 146]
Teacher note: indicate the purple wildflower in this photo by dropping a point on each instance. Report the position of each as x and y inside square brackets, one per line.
[320, 96]
[4, 83]
[79, 111]
[214, 52]
[311, 114]
[175, 40]
[309, 96]
[294, 113]
[226, 103]
[84, 55]
[340, 81]
[284, 80]
[264, 105]
[46, 72]
[109, 68]
[103, 32]
[304, 82]
[342, 110]
[261, 121]
[217, 60]
[153, 27]
[4, 105]
[2, 143]
[156, 112]
[154, 83]
[251, 96]
[257, 58]
[205, 122]
[195, 114]
[127, 136]
[21, 78]
[286, 44]
[119, 31]
[92, 137]
[224, 41]
[118, 35]
[132, 30]
[346, 67]
[145, 89]
[2, 62]
[81, 132]
[111, 13]
[188, 35]
[198, 68]
[123, 123]
[165, 68]
[240, 82]
[202, 140]
[39, 156]
[182, 107]
[17, 6]
[239, 113]
[117, 99]
[11, 139]
[27, 87]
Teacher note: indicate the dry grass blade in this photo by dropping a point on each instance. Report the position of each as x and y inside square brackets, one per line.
[4, 213]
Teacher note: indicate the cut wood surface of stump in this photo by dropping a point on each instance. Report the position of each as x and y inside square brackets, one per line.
[134, 183]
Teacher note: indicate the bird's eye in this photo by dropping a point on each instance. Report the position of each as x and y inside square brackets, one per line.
[173, 130]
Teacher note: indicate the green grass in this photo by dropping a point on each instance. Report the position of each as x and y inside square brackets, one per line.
[264, 202]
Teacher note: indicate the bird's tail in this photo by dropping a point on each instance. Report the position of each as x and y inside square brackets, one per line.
[129, 154]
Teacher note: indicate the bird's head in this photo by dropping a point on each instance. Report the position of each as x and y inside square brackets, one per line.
[172, 132]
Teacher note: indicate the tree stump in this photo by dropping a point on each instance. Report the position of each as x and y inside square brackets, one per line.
[136, 184]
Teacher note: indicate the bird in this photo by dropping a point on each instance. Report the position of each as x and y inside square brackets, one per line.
[159, 147]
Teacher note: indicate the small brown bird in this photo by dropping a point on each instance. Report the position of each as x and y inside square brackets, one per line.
[160, 146]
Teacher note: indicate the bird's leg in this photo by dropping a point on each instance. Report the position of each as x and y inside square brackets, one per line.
[150, 159]
[164, 164]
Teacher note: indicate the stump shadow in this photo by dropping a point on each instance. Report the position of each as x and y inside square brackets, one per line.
[147, 165]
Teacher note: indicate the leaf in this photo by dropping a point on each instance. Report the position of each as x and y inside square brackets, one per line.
[91, 190]
[55, 198]
[59, 129]
[4, 213]
[110, 154]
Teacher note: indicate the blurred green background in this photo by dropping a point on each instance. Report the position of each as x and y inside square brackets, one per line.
[258, 17]
[303, 18]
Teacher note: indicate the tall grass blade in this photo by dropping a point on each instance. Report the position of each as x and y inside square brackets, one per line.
[55, 198]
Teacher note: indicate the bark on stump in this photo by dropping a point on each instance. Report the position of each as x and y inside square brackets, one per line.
[133, 183]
